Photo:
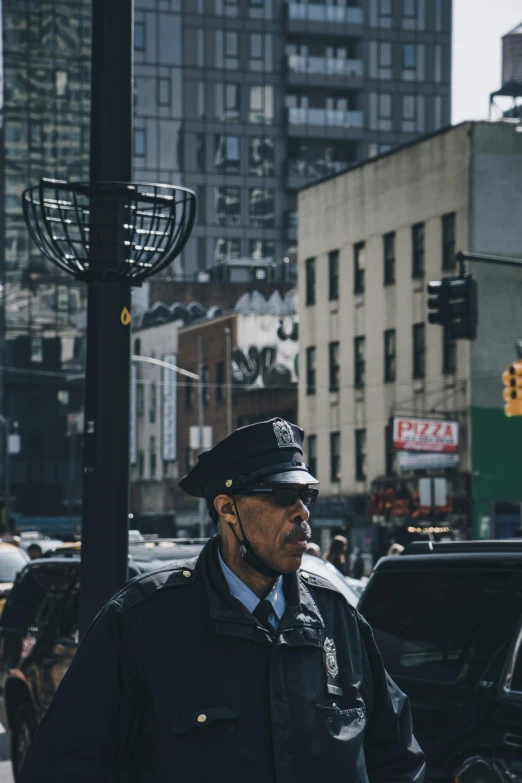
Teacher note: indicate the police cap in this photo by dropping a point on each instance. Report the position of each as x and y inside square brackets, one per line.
[268, 452]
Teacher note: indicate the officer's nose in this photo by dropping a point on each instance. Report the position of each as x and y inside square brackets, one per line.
[300, 512]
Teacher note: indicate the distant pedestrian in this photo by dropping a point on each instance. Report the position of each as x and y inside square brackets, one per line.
[34, 551]
[396, 549]
[336, 554]
[358, 566]
[313, 549]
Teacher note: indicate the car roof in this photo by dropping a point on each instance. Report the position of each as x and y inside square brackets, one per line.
[451, 560]
[6, 546]
[508, 545]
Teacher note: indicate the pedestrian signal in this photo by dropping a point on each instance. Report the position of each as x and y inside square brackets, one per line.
[512, 380]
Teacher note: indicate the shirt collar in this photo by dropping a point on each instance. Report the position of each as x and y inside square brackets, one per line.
[248, 598]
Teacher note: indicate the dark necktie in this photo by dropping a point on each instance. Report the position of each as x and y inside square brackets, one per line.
[262, 612]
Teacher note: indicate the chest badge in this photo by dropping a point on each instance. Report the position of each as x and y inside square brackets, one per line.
[330, 658]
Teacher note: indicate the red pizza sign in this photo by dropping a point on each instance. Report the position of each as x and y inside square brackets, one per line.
[425, 435]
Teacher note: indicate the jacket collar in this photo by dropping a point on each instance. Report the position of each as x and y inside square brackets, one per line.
[301, 624]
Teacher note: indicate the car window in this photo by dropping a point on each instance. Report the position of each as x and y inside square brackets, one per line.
[426, 623]
[11, 563]
[515, 679]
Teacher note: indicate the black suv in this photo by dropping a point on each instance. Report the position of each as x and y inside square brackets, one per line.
[447, 618]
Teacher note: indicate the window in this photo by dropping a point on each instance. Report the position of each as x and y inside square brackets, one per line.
[141, 464]
[227, 49]
[260, 249]
[153, 458]
[202, 253]
[335, 457]
[227, 206]
[384, 13]
[389, 258]
[389, 356]
[261, 104]
[260, 52]
[439, 19]
[227, 7]
[204, 385]
[310, 281]
[381, 111]
[452, 614]
[260, 9]
[139, 142]
[359, 362]
[417, 248]
[201, 205]
[200, 48]
[37, 346]
[261, 208]
[311, 448]
[381, 59]
[189, 392]
[449, 354]
[413, 14]
[226, 154]
[139, 36]
[200, 100]
[437, 63]
[261, 156]
[360, 455]
[419, 351]
[390, 451]
[140, 398]
[61, 79]
[448, 241]
[437, 112]
[409, 56]
[310, 370]
[153, 403]
[164, 98]
[220, 381]
[228, 107]
[226, 249]
[333, 275]
[413, 110]
[201, 147]
[412, 61]
[334, 366]
[358, 268]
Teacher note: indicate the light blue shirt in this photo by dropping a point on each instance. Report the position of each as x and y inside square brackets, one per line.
[249, 599]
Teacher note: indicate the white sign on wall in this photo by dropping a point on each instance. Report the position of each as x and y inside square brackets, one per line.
[133, 414]
[169, 404]
[425, 435]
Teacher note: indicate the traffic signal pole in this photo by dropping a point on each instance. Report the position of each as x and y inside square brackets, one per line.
[107, 398]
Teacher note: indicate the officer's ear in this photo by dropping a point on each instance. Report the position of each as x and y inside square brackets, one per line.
[226, 509]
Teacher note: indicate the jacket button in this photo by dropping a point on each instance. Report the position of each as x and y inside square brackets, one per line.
[187, 574]
[202, 718]
[305, 575]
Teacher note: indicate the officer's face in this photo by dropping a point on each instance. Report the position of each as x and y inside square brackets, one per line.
[278, 534]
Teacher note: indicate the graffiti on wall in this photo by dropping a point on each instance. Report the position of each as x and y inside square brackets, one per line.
[266, 354]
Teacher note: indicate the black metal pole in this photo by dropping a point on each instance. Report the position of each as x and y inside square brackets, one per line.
[106, 435]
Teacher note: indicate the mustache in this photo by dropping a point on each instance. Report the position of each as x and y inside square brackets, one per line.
[303, 528]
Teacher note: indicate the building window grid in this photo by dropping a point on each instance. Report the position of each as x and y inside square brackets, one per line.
[385, 13]
[360, 455]
[153, 457]
[417, 245]
[359, 362]
[448, 240]
[419, 351]
[261, 104]
[227, 206]
[227, 102]
[333, 275]
[261, 207]
[335, 457]
[310, 370]
[334, 366]
[260, 52]
[389, 258]
[310, 281]
[358, 268]
[153, 402]
[139, 36]
[390, 355]
[311, 448]
[227, 49]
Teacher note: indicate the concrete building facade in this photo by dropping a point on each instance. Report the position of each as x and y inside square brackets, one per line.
[370, 240]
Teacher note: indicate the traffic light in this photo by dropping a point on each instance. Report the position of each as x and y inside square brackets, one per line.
[512, 380]
[452, 302]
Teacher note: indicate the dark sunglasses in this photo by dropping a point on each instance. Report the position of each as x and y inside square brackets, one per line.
[284, 496]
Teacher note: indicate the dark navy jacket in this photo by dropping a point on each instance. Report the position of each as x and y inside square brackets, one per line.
[177, 681]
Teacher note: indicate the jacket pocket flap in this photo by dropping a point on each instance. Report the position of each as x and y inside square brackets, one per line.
[192, 720]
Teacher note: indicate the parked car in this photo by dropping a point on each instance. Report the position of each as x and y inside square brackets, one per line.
[447, 618]
[12, 560]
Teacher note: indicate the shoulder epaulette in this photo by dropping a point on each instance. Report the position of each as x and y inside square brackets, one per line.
[179, 574]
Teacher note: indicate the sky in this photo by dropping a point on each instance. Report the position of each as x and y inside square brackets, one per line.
[477, 29]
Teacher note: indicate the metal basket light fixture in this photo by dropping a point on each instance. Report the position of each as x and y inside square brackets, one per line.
[109, 230]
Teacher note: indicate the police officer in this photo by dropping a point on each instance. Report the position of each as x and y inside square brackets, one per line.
[234, 666]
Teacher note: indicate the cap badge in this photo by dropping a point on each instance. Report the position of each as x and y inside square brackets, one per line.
[284, 434]
[330, 658]
[228, 483]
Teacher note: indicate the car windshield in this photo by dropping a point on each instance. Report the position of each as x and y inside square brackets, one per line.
[11, 562]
